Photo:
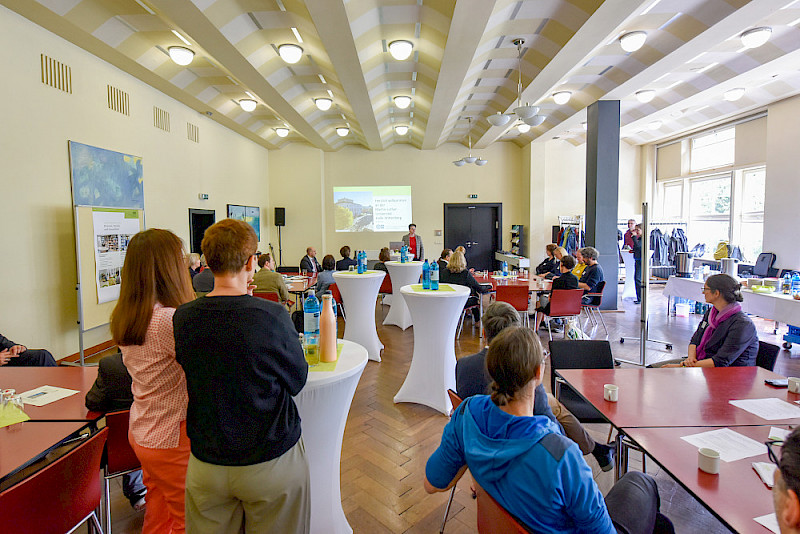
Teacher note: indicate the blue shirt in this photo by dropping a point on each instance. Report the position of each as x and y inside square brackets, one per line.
[533, 471]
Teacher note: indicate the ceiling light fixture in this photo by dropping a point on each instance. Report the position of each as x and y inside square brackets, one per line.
[732, 95]
[401, 49]
[402, 101]
[290, 53]
[297, 35]
[755, 37]
[282, 132]
[180, 55]
[323, 104]
[526, 113]
[645, 96]
[401, 129]
[342, 131]
[632, 41]
[469, 158]
[561, 97]
[248, 104]
[523, 128]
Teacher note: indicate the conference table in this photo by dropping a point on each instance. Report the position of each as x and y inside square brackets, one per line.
[298, 285]
[71, 408]
[359, 292]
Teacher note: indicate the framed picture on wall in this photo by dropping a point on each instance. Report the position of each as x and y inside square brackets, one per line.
[249, 214]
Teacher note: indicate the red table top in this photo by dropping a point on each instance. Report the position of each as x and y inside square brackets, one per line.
[675, 397]
[22, 443]
[736, 495]
[71, 408]
[530, 283]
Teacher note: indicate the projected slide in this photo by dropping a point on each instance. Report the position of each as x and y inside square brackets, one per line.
[372, 209]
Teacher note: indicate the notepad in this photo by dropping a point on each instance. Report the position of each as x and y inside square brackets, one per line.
[770, 521]
[44, 395]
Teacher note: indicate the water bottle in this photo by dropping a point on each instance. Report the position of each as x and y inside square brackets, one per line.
[434, 275]
[311, 328]
[403, 254]
[796, 285]
[786, 286]
[426, 275]
[364, 260]
[359, 267]
[505, 268]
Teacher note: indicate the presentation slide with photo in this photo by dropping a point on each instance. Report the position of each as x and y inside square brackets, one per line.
[372, 209]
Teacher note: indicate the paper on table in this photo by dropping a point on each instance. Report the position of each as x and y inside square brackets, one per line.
[766, 470]
[778, 434]
[769, 409]
[44, 395]
[770, 521]
[731, 445]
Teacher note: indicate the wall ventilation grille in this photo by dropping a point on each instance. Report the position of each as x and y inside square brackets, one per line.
[192, 132]
[118, 100]
[56, 74]
[161, 118]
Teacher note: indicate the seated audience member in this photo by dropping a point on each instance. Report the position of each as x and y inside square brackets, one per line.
[592, 274]
[550, 263]
[111, 392]
[346, 261]
[193, 260]
[472, 378]
[457, 273]
[524, 462]
[268, 281]
[444, 258]
[325, 277]
[16, 355]
[580, 265]
[786, 487]
[566, 280]
[243, 365]
[558, 253]
[309, 262]
[383, 257]
[203, 282]
[726, 337]
[460, 249]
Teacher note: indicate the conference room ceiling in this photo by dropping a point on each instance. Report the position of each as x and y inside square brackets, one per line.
[463, 64]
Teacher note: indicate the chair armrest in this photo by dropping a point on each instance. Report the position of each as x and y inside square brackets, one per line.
[558, 382]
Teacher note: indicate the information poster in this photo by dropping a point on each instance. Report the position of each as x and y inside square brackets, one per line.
[113, 229]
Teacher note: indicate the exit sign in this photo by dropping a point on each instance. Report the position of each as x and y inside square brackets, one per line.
[472, 196]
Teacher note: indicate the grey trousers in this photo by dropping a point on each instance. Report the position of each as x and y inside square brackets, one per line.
[633, 503]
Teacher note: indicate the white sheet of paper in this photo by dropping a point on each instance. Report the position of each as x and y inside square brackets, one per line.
[778, 434]
[770, 521]
[769, 409]
[44, 395]
[766, 470]
[730, 445]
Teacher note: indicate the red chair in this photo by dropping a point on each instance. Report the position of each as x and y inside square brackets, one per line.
[337, 298]
[493, 518]
[563, 303]
[271, 295]
[386, 288]
[59, 497]
[517, 296]
[455, 400]
[590, 308]
[120, 458]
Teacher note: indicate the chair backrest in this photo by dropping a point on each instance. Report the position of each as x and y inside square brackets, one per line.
[579, 354]
[767, 354]
[599, 289]
[59, 496]
[517, 296]
[763, 264]
[386, 285]
[120, 457]
[269, 295]
[565, 302]
[493, 518]
[334, 289]
[455, 400]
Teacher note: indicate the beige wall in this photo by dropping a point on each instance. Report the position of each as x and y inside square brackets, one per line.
[38, 305]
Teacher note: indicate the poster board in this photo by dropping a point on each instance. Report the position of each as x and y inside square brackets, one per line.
[249, 214]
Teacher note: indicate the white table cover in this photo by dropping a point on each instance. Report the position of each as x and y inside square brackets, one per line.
[324, 404]
[402, 274]
[629, 290]
[773, 306]
[433, 364]
[359, 294]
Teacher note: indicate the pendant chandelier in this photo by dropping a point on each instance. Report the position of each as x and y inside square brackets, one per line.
[527, 114]
[469, 158]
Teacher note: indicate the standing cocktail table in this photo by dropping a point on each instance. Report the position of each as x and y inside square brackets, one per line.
[433, 364]
[359, 293]
[402, 274]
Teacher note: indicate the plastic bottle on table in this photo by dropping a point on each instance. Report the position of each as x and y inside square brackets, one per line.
[434, 274]
[796, 285]
[426, 275]
[403, 254]
[327, 330]
[359, 268]
[786, 284]
[505, 268]
[364, 259]
[311, 328]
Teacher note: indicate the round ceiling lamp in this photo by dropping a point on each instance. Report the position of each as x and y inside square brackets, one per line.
[282, 132]
[401, 49]
[402, 101]
[459, 163]
[632, 41]
[732, 95]
[180, 55]
[481, 162]
[561, 97]
[290, 53]
[499, 119]
[655, 125]
[645, 96]
[755, 37]
[401, 129]
[523, 128]
[323, 104]
[342, 131]
[248, 104]
[534, 121]
[469, 158]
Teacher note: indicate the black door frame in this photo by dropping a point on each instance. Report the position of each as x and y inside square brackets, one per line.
[197, 211]
[498, 231]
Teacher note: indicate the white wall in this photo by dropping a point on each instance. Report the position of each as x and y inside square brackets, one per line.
[37, 283]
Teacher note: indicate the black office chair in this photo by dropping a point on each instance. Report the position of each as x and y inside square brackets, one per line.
[767, 354]
[578, 354]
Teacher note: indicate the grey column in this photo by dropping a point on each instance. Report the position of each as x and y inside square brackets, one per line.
[602, 191]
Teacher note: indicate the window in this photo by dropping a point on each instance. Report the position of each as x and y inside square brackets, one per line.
[713, 150]
[709, 211]
[672, 197]
[751, 217]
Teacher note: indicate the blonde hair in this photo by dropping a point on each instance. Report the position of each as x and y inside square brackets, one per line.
[192, 258]
[457, 262]
[560, 251]
[461, 249]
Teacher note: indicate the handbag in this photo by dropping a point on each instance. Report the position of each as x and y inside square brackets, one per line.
[721, 250]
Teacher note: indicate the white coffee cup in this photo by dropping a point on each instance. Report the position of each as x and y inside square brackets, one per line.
[708, 460]
[611, 392]
[794, 384]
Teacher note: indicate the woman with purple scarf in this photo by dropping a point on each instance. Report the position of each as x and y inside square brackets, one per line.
[726, 336]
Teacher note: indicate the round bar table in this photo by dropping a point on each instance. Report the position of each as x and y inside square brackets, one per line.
[433, 364]
[324, 403]
[359, 294]
[402, 274]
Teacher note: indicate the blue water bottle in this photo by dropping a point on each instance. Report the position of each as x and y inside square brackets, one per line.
[311, 326]
[426, 275]
[786, 285]
[434, 275]
[359, 266]
[403, 257]
[505, 268]
[364, 260]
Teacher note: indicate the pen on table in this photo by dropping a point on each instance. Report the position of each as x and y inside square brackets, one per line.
[36, 395]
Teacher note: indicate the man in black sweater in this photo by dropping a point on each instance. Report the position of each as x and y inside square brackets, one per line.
[566, 280]
[16, 355]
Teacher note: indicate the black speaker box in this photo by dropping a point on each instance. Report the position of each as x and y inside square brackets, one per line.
[280, 216]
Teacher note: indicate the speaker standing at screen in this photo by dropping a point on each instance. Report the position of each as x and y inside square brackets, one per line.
[414, 243]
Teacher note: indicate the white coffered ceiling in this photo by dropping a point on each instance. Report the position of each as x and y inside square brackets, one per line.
[464, 63]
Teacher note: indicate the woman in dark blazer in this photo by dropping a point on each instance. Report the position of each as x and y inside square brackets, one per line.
[550, 263]
[457, 273]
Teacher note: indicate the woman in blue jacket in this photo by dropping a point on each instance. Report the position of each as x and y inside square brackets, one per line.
[523, 461]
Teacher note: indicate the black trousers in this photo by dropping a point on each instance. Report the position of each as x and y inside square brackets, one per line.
[633, 503]
[33, 358]
[637, 278]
